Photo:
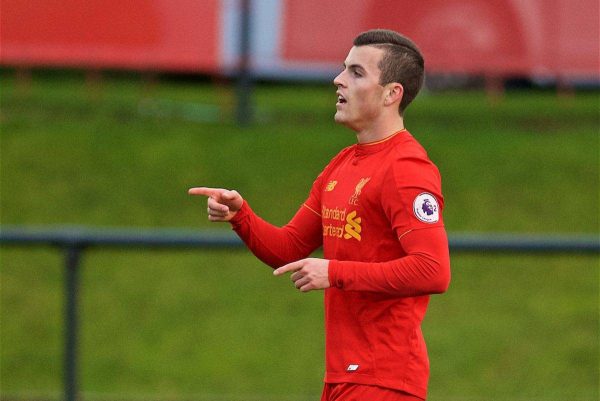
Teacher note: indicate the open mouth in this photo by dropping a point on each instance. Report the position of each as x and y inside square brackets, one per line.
[341, 99]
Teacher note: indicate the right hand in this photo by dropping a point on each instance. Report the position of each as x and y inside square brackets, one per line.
[223, 204]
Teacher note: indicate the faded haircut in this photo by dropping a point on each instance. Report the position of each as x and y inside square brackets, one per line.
[402, 61]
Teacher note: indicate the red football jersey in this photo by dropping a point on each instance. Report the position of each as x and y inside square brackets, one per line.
[377, 211]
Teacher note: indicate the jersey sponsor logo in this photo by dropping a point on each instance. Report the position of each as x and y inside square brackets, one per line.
[352, 228]
[331, 186]
[330, 230]
[334, 229]
[334, 214]
[352, 368]
[359, 187]
[426, 208]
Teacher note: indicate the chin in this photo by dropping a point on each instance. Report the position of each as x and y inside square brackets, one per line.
[344, 121]
[339, 118]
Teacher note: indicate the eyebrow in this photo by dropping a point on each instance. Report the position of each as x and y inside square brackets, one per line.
[355, 67]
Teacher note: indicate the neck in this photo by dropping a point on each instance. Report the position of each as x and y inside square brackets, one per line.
[377, 133]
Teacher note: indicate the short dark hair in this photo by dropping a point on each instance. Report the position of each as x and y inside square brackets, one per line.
[402, 61]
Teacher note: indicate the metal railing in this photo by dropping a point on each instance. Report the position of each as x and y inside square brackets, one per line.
[75, 240]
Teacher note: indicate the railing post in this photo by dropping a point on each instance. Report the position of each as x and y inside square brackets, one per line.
[244, 112]
[72, 261]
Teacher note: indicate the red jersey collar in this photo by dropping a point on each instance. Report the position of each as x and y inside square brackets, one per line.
[376, 146]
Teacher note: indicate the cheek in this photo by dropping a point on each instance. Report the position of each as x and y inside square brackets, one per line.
[362, 97]
[367, 99]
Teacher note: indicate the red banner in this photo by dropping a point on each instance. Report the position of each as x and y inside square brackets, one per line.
[302, 37]
[472, 36]
[136, 34]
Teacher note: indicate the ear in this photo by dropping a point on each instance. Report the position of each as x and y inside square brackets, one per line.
[393, 93]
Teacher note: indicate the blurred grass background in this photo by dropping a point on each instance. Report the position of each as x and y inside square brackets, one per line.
[216, 325]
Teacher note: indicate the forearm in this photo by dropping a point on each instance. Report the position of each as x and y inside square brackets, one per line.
[277, 246]
[424, 270]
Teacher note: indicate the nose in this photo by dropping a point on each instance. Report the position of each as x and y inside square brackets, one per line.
[337, 81]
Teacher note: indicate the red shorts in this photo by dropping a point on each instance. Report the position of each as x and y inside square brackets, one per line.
[360, 392]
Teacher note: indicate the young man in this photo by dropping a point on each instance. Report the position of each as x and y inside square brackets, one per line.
[377, 211]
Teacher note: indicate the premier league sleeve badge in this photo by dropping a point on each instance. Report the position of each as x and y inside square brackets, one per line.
[426, 208]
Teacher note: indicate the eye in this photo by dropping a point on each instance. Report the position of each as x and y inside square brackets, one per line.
[357, 73]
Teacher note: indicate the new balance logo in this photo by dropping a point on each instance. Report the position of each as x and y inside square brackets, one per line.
[352, 368]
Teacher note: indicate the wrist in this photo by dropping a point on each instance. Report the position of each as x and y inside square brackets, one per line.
[239, 215]
[333, 274]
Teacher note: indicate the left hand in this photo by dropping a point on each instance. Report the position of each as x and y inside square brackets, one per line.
[307, 274]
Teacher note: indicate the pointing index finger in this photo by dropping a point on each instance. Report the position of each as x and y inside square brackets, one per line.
[290, 267]
[205, 191]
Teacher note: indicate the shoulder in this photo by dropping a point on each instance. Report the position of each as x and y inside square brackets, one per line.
[339, 158]
[348, 150]
[409, 163]
[407, 146]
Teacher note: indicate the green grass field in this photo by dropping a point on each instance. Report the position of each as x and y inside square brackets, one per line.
[189, 325]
